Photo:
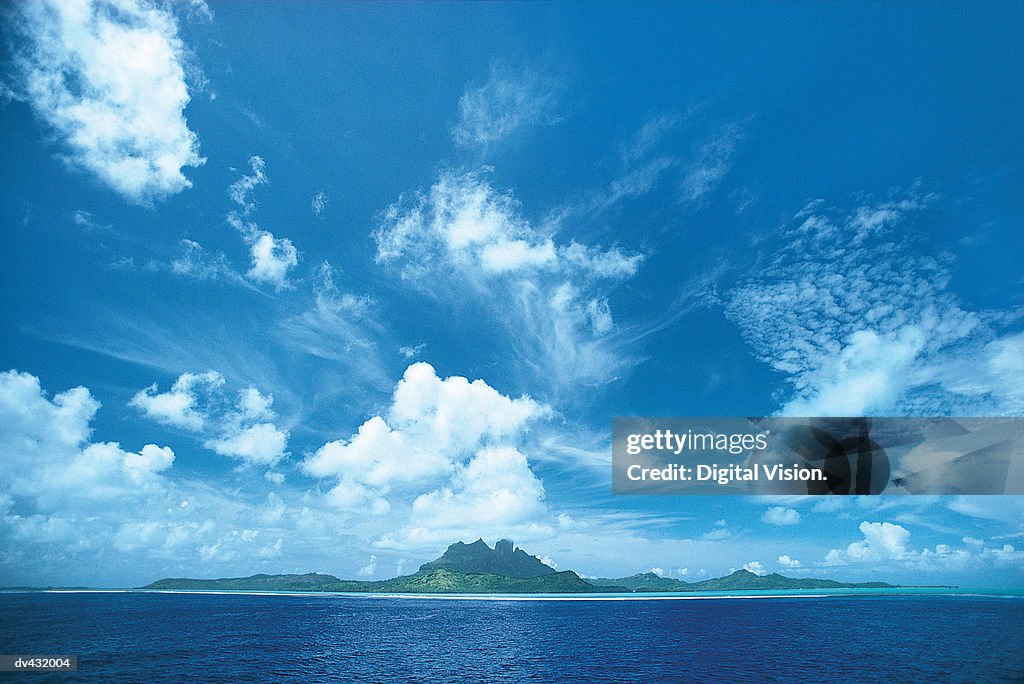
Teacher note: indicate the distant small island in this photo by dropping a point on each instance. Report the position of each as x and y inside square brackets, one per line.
[478, 569]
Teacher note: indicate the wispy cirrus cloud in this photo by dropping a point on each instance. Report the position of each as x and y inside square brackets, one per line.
[649, 136]
[644, 165]
[861, 321]
[463, 237]
[319, 203]
[652, 156]
[109, 78]
[710, 162]
[340, 327]
[197, 262]
[509, 100]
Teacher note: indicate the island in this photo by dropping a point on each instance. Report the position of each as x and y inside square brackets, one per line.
[479, 569]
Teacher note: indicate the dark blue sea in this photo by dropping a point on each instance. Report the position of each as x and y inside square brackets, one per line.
[143, 637]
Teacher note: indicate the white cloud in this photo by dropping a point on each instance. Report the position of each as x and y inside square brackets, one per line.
[180, 406]
[237, 428]
[888, 543]
[507, 101]
[717, 534]
[442, 462]
[432, 426]
[78, 511]
[755, 567]
[1007, 509]
[261, 444]
[882, 541]
[494, 494]
[641, 170]
[1004, 555]
[370, 568]
[464, 238]
[339, 327]
[411, 352]
[873, 328]
[780, 515]
[241, 190]
[648, 136]
[47, 457]
[318, 203]
[109, 77]
[787, 562]
[637, 181]
[196, 262]
[271, 257]
[84, 219]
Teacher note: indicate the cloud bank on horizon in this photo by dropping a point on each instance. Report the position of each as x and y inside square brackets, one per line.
[420, 330]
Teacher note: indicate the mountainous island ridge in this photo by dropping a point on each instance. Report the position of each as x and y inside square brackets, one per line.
[477, 568]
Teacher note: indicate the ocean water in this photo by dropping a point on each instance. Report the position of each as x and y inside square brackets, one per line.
[147, 637]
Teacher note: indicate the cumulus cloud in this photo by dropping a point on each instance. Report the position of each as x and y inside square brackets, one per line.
[872, 328]
[464, 238]
[240, 428]
[46, 453]
[431, 426]
[109, 77]
[75, 510]
[889, 543]
[447, 450]
[489, 113]
[262, 444]
[271, 257]
[790, 563]
[495, 492]
[882, 541]
[780, 515]
[179, 406]
[755, 567]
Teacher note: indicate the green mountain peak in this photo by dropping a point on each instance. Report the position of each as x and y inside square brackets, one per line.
[504, 559]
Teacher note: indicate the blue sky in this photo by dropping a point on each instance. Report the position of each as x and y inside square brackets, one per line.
[329, 288]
